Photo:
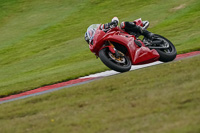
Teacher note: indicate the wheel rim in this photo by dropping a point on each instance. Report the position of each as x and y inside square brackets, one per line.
[121, 60]
[117, 59]
[166, 43]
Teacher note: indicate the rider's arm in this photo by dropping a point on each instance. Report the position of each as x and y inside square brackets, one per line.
[105, 26]
[109, 25]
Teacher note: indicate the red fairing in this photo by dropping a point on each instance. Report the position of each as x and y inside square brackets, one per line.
[144, 55]
[138, 55]
[98, 41]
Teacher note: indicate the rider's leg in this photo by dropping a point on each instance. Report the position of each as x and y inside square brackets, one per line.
[148, 34]
[132, 27]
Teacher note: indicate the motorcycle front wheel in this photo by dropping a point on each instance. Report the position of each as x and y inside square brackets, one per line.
[120, 64]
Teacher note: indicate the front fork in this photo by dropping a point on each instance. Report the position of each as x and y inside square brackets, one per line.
[113, 50]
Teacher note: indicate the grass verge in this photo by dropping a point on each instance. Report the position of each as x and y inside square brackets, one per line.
[162, 98]
[42, 42]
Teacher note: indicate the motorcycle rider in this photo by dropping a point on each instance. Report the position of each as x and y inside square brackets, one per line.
[129, 27]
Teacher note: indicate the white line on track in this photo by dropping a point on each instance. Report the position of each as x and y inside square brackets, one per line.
[112, 72]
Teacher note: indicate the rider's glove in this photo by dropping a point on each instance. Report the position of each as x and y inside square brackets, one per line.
[113, 24]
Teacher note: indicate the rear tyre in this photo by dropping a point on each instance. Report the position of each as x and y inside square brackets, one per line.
[166, 55]
[120, 64]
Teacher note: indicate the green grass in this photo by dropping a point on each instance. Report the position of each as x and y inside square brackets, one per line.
[159, 99]
[42, 42]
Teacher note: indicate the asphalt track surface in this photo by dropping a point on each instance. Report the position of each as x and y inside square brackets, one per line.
[82, 80]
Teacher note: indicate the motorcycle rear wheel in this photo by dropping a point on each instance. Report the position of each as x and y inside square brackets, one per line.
[169, 54]
[120, 64]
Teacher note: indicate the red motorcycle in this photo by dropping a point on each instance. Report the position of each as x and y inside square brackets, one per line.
[118, 49]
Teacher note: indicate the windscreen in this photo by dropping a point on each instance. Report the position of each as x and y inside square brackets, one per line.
[91, 30]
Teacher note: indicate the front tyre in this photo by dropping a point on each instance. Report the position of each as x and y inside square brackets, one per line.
[166, 55]
[121, 63]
